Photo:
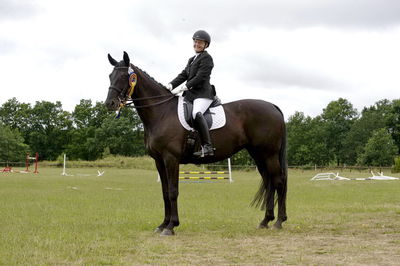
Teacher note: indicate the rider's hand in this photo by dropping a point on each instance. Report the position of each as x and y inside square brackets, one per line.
[180, 89]
[169, 87]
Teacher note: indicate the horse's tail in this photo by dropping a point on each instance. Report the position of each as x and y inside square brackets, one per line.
[282, 156]
[265, 190]
[283, 163]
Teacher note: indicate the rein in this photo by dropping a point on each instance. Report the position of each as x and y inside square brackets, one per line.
[129, 102]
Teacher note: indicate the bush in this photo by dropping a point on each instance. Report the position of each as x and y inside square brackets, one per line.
[396, 168]
[12, 147]
[380, 149]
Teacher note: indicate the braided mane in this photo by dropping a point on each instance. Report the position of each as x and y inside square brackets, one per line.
[149, 77]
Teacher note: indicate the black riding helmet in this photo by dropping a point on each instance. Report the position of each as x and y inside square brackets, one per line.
[202, 35]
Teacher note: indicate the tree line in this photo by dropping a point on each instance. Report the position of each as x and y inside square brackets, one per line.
[87, 133]
[339, 136]
[342, 136]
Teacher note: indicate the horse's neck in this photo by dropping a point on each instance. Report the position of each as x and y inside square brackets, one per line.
[148, 87]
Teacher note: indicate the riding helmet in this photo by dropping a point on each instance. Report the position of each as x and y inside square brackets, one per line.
[202, 35]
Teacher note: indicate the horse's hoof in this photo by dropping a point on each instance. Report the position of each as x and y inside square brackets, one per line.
[278, 226]
[262, 226]
[158, 230]
[167, 232]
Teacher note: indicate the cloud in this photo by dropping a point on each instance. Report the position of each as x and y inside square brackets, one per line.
[15, 9]
[6, 46]
[222, 17]
[270, 72]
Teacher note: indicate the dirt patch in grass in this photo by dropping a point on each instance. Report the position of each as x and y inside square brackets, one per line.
[365, 245]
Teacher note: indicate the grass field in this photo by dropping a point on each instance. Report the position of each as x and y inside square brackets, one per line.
[85, 219]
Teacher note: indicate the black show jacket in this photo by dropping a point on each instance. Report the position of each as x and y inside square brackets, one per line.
[197, 74]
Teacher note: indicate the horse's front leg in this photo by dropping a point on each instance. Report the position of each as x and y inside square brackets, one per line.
[172, 170]
[164, 185]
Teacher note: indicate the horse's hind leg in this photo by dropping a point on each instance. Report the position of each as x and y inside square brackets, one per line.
[269, 196]
[269, 211]
[266, 192]
[274, 180]
[278, 176]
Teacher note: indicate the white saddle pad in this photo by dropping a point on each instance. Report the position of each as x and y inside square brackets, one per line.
[218, 116]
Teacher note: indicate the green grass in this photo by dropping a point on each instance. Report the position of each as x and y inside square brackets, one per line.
[112, 161]
[85, 219]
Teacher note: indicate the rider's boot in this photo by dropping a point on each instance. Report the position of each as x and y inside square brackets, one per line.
[201, 126]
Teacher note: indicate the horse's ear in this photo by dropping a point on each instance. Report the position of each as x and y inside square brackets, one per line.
[126, 59]
[112, 60]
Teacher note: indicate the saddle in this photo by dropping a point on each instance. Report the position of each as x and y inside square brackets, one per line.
[188, 109]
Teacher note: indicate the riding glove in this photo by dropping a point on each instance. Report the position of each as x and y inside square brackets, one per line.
[169, 87]
[180, 89]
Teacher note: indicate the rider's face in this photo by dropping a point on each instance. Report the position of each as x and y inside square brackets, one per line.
[199, 45]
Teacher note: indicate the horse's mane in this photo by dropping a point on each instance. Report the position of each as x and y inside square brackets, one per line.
[149, 77]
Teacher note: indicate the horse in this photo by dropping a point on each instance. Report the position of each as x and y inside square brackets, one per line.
[255, 125]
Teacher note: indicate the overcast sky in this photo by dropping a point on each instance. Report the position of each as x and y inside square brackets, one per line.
[298, 54]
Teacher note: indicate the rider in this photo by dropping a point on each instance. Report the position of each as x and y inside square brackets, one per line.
[198, 88]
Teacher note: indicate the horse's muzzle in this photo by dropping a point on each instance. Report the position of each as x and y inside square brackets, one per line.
[112, 105]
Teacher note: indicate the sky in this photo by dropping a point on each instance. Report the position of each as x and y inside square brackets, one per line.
[297, 54]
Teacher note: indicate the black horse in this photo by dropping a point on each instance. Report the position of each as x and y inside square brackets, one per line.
[255, 125]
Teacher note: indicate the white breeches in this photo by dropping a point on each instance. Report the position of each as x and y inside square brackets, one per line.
[200, 105]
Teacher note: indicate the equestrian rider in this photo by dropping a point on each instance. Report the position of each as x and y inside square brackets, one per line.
[198, 88]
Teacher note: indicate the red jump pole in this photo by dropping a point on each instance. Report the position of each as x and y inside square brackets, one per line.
[36, 163]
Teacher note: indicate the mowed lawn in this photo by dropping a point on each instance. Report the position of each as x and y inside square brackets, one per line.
[88, 219]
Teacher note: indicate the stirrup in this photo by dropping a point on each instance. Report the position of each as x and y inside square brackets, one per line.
[202, 153]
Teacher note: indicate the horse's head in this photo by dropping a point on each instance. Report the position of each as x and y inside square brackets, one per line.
[120, 84]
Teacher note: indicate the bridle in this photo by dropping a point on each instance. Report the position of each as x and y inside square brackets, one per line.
[125, 95]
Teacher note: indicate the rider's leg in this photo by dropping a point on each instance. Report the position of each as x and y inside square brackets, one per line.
[199, 107]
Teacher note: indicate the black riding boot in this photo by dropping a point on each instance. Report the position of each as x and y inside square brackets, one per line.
[201, 126]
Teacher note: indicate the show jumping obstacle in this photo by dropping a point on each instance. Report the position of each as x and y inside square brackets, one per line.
[28, 159]
[200, 175]
[36, 160]
[206, 175]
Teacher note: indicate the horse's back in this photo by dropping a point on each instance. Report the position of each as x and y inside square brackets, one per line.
[262, 123]
[254, 109]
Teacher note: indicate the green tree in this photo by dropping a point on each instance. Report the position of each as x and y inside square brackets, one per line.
[380, 149]
[12, 146]
[307, 140]
[49, 130]
[396, 168]
[240, 158]
[83, 114]
[96, 129]
[298, 152]
[17, 115]
[86, 115]
[318, 135]
[86, 119]
[393, 122]
[120, 136]
[372, 118]
[338, 118]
